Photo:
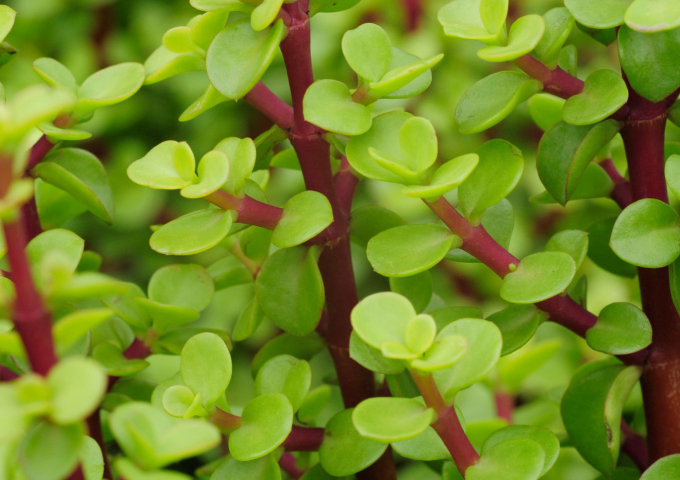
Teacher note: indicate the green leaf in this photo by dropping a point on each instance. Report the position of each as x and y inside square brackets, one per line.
[418, 143]
[545, 110]
[109, 86]
[266, 421]
[131, 472]
[206, 28]
[265, 14]
[383, 318]
[304, 216]
[538, 277]
[492, 99]
[372, 358]
[205, 102]
[368, 51]
[523, 37]
[463, 19]
[383, 137]
[81, 175]
[647, 222]
[303, 348]
[285, 374]
[50, 452]
[187, 286]
[290, 290]
[621, 328]
[213, 5]
[427, 446]
[157, 168]
[241, 154]
[328, 104]
[410, 249]
[78, 385]
[153, 439]
[513, 459]
[518, 324]
[484, 349]
[416, 288]
[498, 172]
[193, 233]
[558, 26]
[239, 56]
[72, 327]
[566, 150]
[600, 252]
[7, 16]
[595, 183]
[653, 16]
[443, 353]
[493, 14]
[179, 401]
[374, 418]
[163, 64]
[112, 359]
[248, 321]
[407, 77]
[316, 6]
[213, 171]
[446, 178]
[600, 15]
[206, 367]
[650, 61]
[604, 93]
[178, 40]
[572, 242]
[370, 220]
[344, 451]
[54, 247]
[265, 468]
[514, 369]
[56, 134]
[672, 172]
[54, 73]
[544, 437]
[591, 412]
[667, 467]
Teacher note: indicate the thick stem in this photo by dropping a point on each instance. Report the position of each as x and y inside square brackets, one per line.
[248, 210]
[32, 320]
[447, 425]
[270, 105]
[288, 465]
[557, 81]
[335, 263]
[413, 11]
[505, 405]
[478, 243]
[345, 185]
[634, 446]
[303, 439]
[644, 142]
[621, 193]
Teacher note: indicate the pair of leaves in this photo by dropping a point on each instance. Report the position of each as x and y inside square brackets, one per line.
[287, 375]
[642, 15]
[482, 20]
[205, 365]
[523, 37]
[538, 277]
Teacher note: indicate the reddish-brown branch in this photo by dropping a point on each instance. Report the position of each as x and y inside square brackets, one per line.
[38, 152]
[643, 138]
[304, 439]
[335, 263]
[447, 425]
[621, 193]
[478, 243]
[288, 465]
[413, 11]
[248, 210]
[505, 405]
[634, 446]
[557, 81]
[345, 185]
[7, 375]
[270, 105]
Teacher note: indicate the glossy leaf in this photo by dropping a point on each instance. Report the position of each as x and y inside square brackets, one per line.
[374, 418]
[667, 467]
[492, 99]
[56, 134]
[498, 172]
[114, 362]
[604, 92]
[382, 318]
[54, 73]
[316, 6]
[109, 86]
[50, 452]
[72, 327]
[368, 221]
[78, 385]
[650, 62]
[513, 459]
[285, 374]
[653, 16]
[264, 468]
[265, 14]
[595, 183]
[266, 421]
[239, 56]
[621, 328]
[372, 358]
[484, 349]
[80, 174]
[518, 324]
[410, 249]
[210, 98]
[242, 155]
[538, 277]
[572, 242]
[407, 77]
[514, 369]
[290, 290]
[187, 286]
[523, 37]
[163, 64]
[445, 352]
[344, 451]
[329, 105]
[303, 348]
[545, 110]
[558, 25]
[544, 437]
[672, 172]
[566, 150]
[600, 251]
[206, 367]
[213, 171]
[416, 288]
[304, 216]
[130, 471]
[600, 15]
[157, 168]
[193, 233]
[62, 248]
[445, 178]
[427, 446]
[368, 51]
[463, 19]
[591, 412]
[644, 223]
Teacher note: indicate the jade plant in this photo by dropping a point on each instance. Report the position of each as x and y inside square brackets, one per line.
[289, 312]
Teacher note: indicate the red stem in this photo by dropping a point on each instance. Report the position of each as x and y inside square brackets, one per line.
[304, 439]
[249, 210]
[447, 425]
[288, 465]
[505, 405]
[7, 375]
[634, 446]
[270, 105]
[643, 138]
[335, 263]
[413, 10]
[38, 152]
[346, 184]
[478, 243]
[621, 193]
[557, 81]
